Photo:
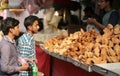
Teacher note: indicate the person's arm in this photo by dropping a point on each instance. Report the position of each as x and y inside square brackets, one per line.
[24, 67]
[5, 60]
[96, 23]
[114, 17]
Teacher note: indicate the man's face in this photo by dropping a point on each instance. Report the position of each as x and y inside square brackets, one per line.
[35, 27]
[16, 31]
[103, 4]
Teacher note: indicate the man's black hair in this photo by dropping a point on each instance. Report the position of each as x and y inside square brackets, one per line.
[8, 23]
[30, 20]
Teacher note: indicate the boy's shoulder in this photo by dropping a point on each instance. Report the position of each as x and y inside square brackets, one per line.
[25, 36]
[5, 42]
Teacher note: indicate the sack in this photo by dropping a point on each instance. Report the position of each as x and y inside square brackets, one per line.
[90, 27]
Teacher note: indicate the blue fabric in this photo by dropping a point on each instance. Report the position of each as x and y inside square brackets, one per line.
[111, 17]
[26, 49]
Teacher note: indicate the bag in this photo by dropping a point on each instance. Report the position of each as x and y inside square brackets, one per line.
[90, 27]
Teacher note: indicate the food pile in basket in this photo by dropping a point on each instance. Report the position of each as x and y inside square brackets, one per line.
[89, 47]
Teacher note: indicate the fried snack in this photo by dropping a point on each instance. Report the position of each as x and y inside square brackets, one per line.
[97, 44]
[104, 40]
[96, 51]
[108, 31]
[117, 29]
[97, 60]
[110, 44]
[118, 58]
[104, 53]
[103, 62]
[88, 54]
[99, 39]
[111, 52]
[89, 61]
[114, 59]
[115, 40]
[109, 60]
[116, 48]
[89, 47]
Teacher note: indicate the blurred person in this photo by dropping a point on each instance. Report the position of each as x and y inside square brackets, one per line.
[26, 42]
[1, 33]
[89, 13]
[41, 24]
[111, 16]
[9, 64]
[119, 15]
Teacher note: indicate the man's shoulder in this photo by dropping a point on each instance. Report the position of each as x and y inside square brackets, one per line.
[23, 35]
[5, 42]
[26, 37]
[115, 12]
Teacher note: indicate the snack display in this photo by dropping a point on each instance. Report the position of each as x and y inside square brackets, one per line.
[89, 47]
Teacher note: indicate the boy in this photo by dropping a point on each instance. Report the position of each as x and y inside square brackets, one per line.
[26, 43]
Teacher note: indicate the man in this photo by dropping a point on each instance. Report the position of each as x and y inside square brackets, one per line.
[8, 50]
[26, 43]
[111, 16]
[89, 13]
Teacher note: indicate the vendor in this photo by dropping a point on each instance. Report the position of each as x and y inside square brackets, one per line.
[111, 16]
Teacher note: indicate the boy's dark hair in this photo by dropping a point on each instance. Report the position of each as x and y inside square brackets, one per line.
[30, 20]
[8, 23]
[111, 2]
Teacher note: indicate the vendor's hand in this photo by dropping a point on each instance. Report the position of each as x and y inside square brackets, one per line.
[91, 21]
[29, 68]
[40, 74]
[24, 67]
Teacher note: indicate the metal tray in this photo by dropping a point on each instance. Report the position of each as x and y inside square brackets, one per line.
[68, 59]
[109, 69]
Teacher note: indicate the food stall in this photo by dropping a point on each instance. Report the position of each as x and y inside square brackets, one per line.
[55, 60]
[67, 59]
[93, 55]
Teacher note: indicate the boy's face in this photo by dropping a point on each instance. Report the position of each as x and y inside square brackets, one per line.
[16, 31]
[35, 26]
